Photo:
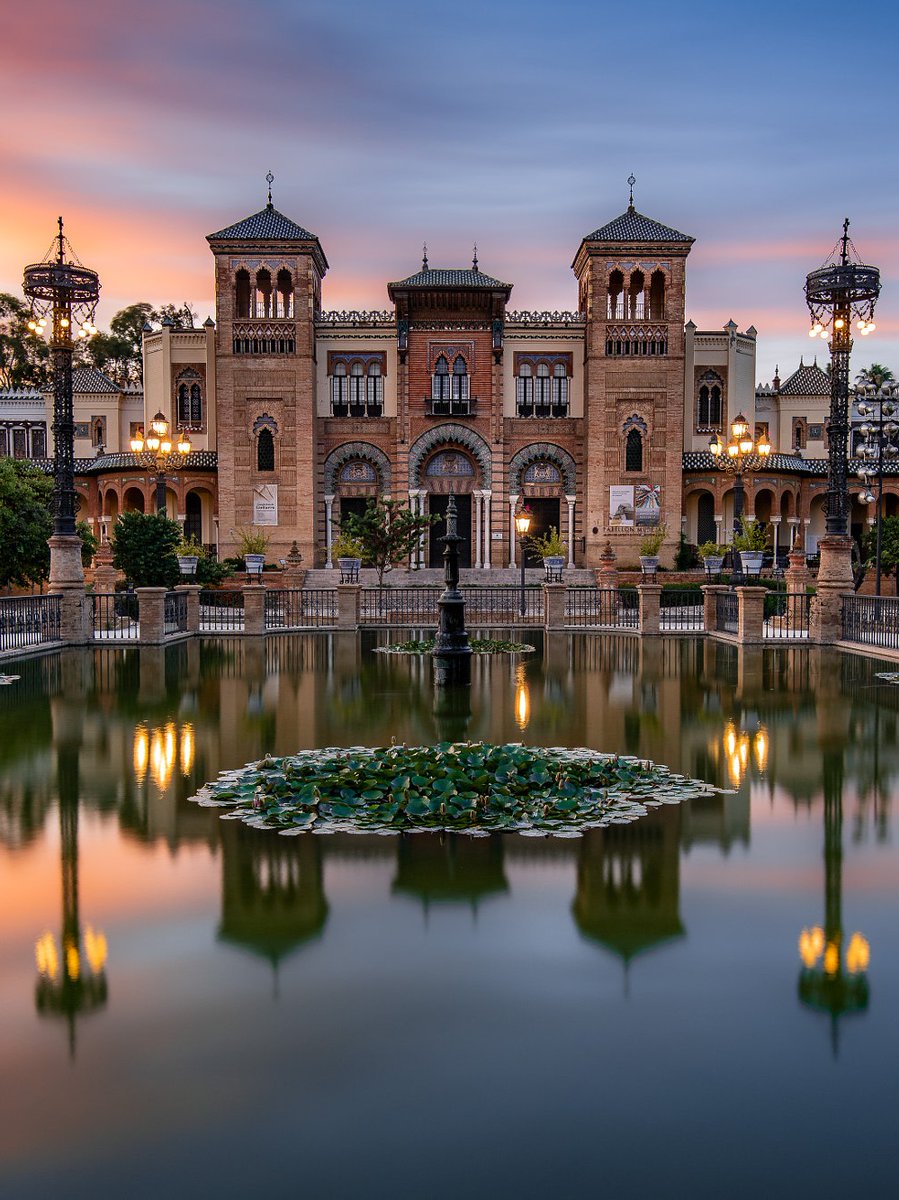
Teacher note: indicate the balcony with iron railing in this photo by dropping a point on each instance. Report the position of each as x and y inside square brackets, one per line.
[456, 407]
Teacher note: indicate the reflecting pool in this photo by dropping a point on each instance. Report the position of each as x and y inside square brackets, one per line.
[703, 1003]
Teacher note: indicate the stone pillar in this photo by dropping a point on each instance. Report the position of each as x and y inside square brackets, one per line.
[75, 625]
[570, 500]
[151, 614]
[710, 605]
[329, 530]
[750, 614]
[478, 496]
[650, 607]
[513, 504]
[487, 557]
[192, 591]
[554, 595]
[348, 596]
[254, 610]
[607, 572]
[294, 575]
[834, 581]
[796, 573]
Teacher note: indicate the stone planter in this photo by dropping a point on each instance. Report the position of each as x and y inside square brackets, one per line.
[649, 563]
[751, 561]
[187, 565]
[254, 564]
[713, 564]
[553, 566]
[349, 569]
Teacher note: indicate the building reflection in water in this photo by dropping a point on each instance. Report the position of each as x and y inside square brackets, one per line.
[450, 869]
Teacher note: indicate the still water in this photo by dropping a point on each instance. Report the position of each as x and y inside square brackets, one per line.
[194, 1008]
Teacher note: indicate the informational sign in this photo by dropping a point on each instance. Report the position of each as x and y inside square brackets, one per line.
[621, 506]
[265, 504]
[649, 503]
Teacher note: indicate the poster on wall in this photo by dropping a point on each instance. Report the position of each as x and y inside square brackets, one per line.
[649, 503]
[265, 504]
[621, 506]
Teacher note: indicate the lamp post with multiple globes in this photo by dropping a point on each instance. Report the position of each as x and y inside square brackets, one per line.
[741, 453]
[156, 453]
[879, 429]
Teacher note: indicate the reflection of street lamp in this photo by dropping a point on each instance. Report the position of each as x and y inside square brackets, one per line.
[66, 292]
[737, 747]
[156, 453]
[740, 454]
[522, 525]
[522, 697]
[879, 431]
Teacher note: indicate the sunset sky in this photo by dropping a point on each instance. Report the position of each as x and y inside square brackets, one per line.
[754, 129]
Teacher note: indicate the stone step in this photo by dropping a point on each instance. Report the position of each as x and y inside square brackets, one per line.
[433, 577]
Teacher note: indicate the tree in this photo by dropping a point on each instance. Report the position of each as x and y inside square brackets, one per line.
[143, 546]
[388, 532]
[119, 353]
[876, 375]
[24, 358]
[25, 523]
[889, 548]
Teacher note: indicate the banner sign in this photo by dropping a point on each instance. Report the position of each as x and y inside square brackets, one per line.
[621, 507]
[265, 504]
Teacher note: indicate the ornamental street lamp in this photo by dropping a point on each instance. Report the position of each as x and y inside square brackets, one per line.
[878, 407]
[156, 453]
[835, 294]
[740, 454]
[66, 292]
[522, 525]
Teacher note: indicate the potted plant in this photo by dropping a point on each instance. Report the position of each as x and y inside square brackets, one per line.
[253, 543]
[650, 546]
[552, 550]
[751, 542]
[712, 556]
[348, 551]
[188, 552]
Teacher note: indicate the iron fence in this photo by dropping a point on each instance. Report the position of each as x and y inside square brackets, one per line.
[681, 610]
[872, 620]
[221, 612]
[174, 618]
[726, 612]
[291, 608]
[602, 608]
[28, 621]
[492, 606]
[399, 606]
[786, 615]
[114, 616]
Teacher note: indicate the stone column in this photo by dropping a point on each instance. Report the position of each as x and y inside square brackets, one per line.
[487, 557]
[775, 524]
[478, 497]
[151, 614]
[554, 595]
[710, 605]
[650, 595]
[329, 529]
[513, 504]
[750, 614]
[192, 591]
[348, 596]
[254, 610]
[570, 500]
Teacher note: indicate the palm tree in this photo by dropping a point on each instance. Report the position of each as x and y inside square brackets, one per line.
[875, 374]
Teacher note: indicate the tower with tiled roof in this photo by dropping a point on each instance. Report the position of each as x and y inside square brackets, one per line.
[631, 280]
[268, 273]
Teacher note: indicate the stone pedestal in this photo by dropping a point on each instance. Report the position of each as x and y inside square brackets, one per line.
[105, 574]
[294, 576]
[750, 614]
[151, 614]
[650, 595]
[796, 573]
[607, 571]
[834, 581]
[348, 598]
[554, 595]
[66, 569]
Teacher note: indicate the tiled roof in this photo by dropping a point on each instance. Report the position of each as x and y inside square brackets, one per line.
[806, 381]
[704, 460]
[632, 226]
[196, 460]
[268, 225]
[436, 277]
[92, 381]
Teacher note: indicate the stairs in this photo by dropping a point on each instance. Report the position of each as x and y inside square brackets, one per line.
[433, 577]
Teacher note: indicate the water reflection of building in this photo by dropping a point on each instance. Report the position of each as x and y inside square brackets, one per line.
[628, 884]
[450, 868]
[273, 898]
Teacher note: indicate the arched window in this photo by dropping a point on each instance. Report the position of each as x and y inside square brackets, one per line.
[616, 304]
[190, 404]
[375, 391]
[708, 403]
[284, 296]
[265, 451]
[635, 297]
[560, 390]
[339, 393]
[460, 378]
[633, 451]
[542, 391]
[524, 391]
[657, 296]
[262, 306]
[440, 380]
[242, 293]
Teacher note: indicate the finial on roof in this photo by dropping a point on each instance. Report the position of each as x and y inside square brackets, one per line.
[269, 179]
[474, 258]
[631, 180]
[816, 360]
[776, 380]
[801, 363]
[424, 257]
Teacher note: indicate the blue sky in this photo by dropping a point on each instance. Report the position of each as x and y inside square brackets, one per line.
[756, 130]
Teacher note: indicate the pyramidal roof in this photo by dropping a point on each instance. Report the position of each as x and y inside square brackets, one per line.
[632, 226]
[806, 380]
[441, 277]
[92, 381]
[267, 225]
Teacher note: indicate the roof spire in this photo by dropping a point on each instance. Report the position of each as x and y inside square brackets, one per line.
[631, 180]
[269, 179]
[474, 258]
[424, 257]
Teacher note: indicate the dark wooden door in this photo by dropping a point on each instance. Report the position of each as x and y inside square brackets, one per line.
[437, 504]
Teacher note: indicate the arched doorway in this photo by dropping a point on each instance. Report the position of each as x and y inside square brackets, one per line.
[701, 517]
[134, 500]
[193, 516]
[449, 471]
[544, 476]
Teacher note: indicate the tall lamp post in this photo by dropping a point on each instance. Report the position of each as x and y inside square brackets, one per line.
[837, 293]
[156, 453]
[66, 292]
[878, 407]
[742, 453]
[522, 525]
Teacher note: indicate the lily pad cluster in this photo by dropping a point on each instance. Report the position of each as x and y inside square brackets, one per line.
[466, 787]
[478, 646]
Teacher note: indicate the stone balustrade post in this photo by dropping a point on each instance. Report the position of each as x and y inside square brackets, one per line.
[554, 597]
[75, 625]
[750, 614]
[650, 600]
[710, 605]
[192, 592]
[254, 610]
[151, 614]
[348, 601]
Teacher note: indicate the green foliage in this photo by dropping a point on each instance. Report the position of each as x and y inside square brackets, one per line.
[712, 550]
[889, 549]
[550, 545]
[651, 543]
[345, 546]
[754, 536]
[25, 523]
[118, 352]
[143, 546]
[251, 539]
[89, 544]
[876, 374]
[210, 572]
[459, 785]
[387, 531]
[24, 358]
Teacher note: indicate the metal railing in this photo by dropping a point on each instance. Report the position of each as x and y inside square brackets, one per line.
[502, 605]
[398, 606]
[28, 621]
[871, 620]
[114, 616]
[602, 608]
[726, 612]
[292, 608]
[221, 612]
[786, 616]
[681, 610]
[466, 406]
[174, 618]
